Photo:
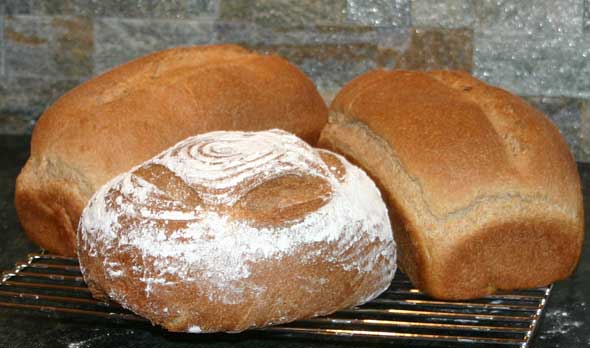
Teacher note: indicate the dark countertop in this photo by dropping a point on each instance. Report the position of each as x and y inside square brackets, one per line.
[565, 325]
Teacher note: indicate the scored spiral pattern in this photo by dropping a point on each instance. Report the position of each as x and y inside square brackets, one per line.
[226, 165]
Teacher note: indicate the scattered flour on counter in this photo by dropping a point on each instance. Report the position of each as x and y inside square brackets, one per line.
[84, 343]
[194, 329]
[103, 339]
[559, 322]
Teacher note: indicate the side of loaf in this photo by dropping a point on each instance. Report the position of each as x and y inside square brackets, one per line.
[231, 230]
[131, 113]
[482, 190]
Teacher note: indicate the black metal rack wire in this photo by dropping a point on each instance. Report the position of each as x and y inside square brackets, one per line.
[401, 315]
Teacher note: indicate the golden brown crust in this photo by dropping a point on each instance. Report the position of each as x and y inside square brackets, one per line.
[536, 253]
[470, 172]
[123, 117]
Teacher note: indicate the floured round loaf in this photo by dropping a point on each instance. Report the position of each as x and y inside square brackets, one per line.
[117, 120]
[231, 230]
[482, 190]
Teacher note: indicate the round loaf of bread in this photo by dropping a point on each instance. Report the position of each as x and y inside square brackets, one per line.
[231, 230]
[482, 190]
[120, 119]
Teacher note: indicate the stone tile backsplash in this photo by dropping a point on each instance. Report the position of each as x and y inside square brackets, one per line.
[48, 46]
[539, 49]
[393, 13]
[1, 41]
[119, 40]
[283, 13]
[443, 14]
[571, 115]
[535, 64]
[174, 9]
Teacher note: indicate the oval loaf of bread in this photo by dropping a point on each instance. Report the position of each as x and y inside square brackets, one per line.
[120, 119]
[231, 230]
[482, 190]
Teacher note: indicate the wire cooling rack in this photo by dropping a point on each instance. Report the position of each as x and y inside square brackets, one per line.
[401, 315]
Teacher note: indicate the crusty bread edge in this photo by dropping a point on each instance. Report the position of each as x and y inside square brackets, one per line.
[47, 196]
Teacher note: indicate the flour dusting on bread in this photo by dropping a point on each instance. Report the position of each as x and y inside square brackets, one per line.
[209, 247]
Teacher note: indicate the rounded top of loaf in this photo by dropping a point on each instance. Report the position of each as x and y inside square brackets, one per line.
[446, 127]
[121, 118]
[127, 115]
[261, 180]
